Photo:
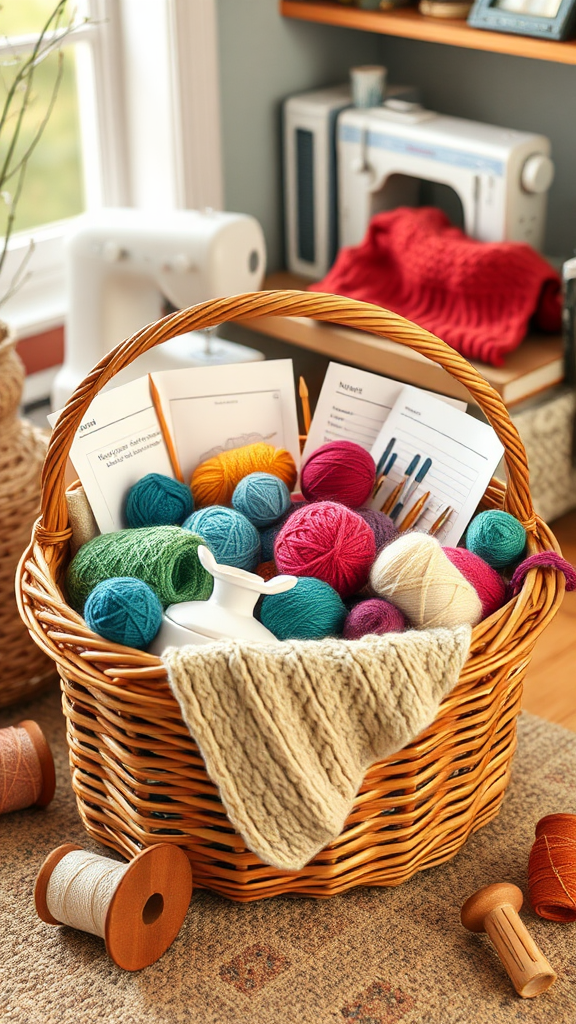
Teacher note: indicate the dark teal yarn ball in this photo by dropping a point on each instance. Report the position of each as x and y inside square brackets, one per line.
[262, 498]
[124, 610]
[310, 611]
[158, 500]
[497, 537]
[232, 539]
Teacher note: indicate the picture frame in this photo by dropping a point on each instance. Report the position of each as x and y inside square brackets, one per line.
[545, 19]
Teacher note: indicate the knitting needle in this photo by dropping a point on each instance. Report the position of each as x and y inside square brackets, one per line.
[414, 513]
[382, 476]
[164, 429]
[442, 519]
[385, 454]
[393, 497]
[405, 498]
[303, 392]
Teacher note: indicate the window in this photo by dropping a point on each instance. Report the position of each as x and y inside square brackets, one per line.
[143, 131]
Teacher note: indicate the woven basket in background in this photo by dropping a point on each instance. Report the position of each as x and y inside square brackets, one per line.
[24, 669]
[139, 777]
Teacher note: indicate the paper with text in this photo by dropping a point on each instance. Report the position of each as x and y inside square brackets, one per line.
[463, 452]
[210, 409]
[118, 442]
[352, 406]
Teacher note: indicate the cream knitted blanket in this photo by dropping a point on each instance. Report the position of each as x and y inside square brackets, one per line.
[288, 730]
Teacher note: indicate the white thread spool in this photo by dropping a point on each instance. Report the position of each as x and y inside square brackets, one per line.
[137, 908]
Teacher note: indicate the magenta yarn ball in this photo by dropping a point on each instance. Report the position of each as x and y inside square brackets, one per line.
[328, 541]
[373, 616]
[339, 471]
[381, 525]
[489, 586]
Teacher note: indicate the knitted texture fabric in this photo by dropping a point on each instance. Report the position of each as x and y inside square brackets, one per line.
[288, 730]
[477, 296]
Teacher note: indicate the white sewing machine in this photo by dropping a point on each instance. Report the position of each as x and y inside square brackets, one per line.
[122, 264]
[501, 176]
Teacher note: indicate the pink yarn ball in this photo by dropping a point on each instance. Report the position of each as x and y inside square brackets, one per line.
[339, 471]
[489, 586]
[328, 541]
[373, 616]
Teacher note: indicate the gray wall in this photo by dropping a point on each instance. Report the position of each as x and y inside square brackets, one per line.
[264, 58]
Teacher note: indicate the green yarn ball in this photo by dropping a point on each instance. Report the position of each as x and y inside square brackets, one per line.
[158, 500]
[124, 610]
[310, 611]
[165, 557]
[262, 498]
[232, 539]
[497, 537]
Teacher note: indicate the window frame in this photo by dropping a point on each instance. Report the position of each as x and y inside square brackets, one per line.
[164, 154]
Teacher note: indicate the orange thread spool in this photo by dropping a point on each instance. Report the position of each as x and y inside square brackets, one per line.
[552, 868]
[26, 768]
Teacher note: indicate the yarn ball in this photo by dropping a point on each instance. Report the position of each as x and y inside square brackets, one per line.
[269, 533]
[339, 471]
[497, 537]
[262, 498]
[267, 570]
[382, 526]
[415, 574]
[329, 542]
[232, 539]
[373, 616]
[124, 610]
[213, 481]
[310, 611]
[165, 557]
[157, 500]
[489, 586]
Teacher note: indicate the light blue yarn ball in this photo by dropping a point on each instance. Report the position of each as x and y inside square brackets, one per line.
[124, 610]
[231, 537]
[497, 537]
[310, 611]
[262, 498]
[158, 500]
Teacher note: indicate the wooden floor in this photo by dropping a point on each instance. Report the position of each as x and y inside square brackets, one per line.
[550, 687]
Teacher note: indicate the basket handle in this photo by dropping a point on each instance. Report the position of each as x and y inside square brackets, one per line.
[329, 308]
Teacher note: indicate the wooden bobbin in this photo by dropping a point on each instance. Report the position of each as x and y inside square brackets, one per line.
[147, 909]
[44, 754]
[494, 910]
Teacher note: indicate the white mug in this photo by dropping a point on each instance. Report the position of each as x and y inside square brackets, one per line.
[368, 84]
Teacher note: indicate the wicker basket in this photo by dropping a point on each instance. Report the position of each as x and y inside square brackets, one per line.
[137, 774]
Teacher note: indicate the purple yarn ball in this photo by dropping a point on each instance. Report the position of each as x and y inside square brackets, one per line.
[381, 525]
[373, 616]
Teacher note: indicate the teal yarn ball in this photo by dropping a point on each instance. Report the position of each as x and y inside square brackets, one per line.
[262, 498]
[310, 611]
[158, 500]
[124, 610]
[165, 557]
[497, 537]
[231, 537]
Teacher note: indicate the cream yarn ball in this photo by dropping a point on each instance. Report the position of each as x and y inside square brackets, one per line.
[415, 575]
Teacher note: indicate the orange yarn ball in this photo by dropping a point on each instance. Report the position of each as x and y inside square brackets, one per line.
[213, 481]
[267, 570]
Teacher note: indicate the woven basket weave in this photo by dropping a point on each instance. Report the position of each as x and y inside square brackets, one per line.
[137, 774]
[24, 669]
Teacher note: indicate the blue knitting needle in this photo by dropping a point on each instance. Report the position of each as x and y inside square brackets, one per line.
[385, 455]
[382, 476]
[424, 468]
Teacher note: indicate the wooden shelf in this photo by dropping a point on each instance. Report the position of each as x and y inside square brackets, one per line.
[409, 24]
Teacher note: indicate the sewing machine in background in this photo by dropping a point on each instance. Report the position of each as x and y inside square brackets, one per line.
[122, 266]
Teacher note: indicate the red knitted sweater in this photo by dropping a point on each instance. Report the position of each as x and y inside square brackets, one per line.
[477, 296]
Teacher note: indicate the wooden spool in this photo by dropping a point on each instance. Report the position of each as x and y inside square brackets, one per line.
[147, 909]
[494, 910]
[46, 761]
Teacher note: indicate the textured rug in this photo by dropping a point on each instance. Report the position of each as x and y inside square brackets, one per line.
[371, 956]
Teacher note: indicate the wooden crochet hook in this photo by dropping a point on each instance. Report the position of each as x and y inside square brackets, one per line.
[494, 910]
